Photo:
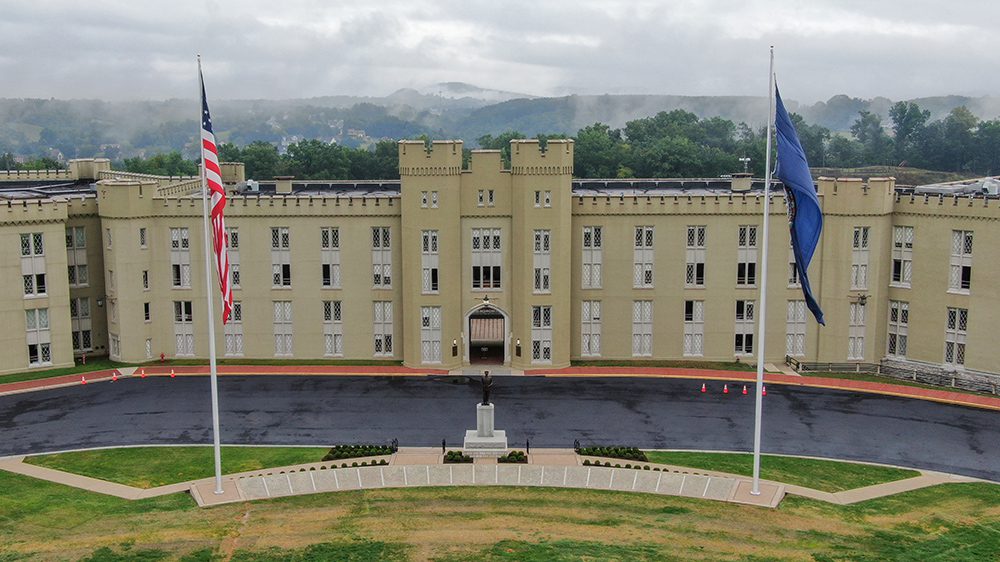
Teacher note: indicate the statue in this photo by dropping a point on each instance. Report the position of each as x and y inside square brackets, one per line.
[487, 381]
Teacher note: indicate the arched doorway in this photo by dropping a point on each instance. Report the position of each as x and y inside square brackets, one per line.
[486, 341]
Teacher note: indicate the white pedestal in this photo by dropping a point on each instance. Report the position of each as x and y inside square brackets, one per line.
[485, 441]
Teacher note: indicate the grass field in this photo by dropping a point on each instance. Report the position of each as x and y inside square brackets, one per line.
[148, 467]
[827, 476]
[48, 521]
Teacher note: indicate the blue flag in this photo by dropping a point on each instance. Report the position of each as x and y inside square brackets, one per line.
[805, 219]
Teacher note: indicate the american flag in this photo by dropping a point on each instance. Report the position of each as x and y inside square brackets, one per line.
[213, 178]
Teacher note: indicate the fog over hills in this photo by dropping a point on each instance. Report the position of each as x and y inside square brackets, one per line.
[446, 110]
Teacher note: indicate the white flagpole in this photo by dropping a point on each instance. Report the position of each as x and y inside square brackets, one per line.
[209, 296]
[762, 309]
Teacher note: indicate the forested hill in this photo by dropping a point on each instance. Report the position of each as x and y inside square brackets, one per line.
[81, 128]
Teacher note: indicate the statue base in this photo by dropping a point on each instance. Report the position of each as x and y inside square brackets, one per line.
[485, 441]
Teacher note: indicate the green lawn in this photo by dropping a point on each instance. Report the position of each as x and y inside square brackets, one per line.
[827, 476]
[869, 377]
[41, 520]
[714, 365]
[93, 364]
[148, 467]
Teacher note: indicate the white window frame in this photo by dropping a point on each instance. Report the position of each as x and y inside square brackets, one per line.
[430, 274]
[329, 244]
[541, 334]
[39, 336]
[81, 327]
[694, 328]
[281, 257]
[542, 261]
[183, 328]
[955, 335]
[695, 250]
[284, 344]
[744, 340]
[795, 328]
[642, 262]
[233, 244]
[143, 234]
[857, 317]
[382, 328]
[960, 270]
[180, 258]
[333, 328]
[902, 256]
[381, 257]
[898, 329]
[590, 329]
[746, 256]
[33, 271]
[76, 256]
[430, 334]
[233, 331]
[860, 244]
[642, 328]
[593, 258]
[487, 262]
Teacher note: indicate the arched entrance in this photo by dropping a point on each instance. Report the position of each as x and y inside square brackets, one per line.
[486, 328]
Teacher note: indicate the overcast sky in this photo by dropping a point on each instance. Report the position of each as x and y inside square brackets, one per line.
[290, 48]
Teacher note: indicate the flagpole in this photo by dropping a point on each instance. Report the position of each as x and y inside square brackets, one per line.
[762, 309]
[216, 445]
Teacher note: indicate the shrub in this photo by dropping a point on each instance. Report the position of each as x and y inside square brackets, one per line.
[456, 457]
[514, 457]
[354, 464]
[627, 453]
[645, 467]
[586, 462]
[343, 465]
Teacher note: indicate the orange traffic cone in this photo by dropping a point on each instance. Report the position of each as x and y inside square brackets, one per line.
[83, 380]
[725, 389]
[703, 389]
[763, 391]
[142, 373]
[114, 376]
[744, 390]
[172, 375]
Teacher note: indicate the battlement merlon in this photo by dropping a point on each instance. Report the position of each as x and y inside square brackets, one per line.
[485, 161]
[441, 158]
[854, 196]
[528, 157]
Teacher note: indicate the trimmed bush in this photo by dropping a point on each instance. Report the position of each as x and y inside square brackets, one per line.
[514, 457]
[338, 452]
[454, 457]
[626, 453]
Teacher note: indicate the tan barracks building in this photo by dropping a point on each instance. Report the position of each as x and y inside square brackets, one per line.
[525, 267]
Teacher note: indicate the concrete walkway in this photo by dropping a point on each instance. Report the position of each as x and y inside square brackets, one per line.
[423, 466]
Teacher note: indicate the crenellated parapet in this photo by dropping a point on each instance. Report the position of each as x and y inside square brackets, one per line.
[529, 157]
[33, 211]
[856, 197]
[941, 205]
[440, 158]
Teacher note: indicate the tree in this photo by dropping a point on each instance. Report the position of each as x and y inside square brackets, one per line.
[876, 144]
[598, 152]
[262, 161]
[500, 142]
[163, 164]
[314, 159]
[813, 138]
[908, 122]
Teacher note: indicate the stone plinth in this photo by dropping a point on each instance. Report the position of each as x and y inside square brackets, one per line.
[485, 441]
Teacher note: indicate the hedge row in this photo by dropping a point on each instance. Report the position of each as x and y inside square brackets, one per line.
[456, 457]
[587, 462]
[628, 453]
[354, 451]
[514, 457]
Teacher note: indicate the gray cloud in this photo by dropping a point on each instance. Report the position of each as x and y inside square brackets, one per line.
[259, 49]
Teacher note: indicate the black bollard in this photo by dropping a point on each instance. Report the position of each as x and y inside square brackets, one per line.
[527, 446]
[443, 445]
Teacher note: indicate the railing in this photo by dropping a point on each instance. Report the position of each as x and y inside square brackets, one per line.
[924, 373]
[182, 188]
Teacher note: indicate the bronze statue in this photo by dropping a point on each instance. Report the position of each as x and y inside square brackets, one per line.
[487, 381]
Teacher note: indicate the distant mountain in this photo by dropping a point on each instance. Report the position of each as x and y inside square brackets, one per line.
[78, 128]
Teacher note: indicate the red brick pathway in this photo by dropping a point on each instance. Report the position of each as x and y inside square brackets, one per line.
[935, 395]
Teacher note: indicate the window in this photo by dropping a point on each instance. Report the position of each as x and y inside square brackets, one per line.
[113, 309]
[329, 243]
[487, 256]
[33, 264]
[859, 258]
[695, 269]
[281, 257]
[592, 256]
[590, 341]
[145, 312]
[114, 346]
[542, 260]
[899, 322]
[423, 199]
[382, 328]
[793, 270]
[694, 328]
[429, 261]
[233, 241]
[233, 331]
[795, 328]
[744, 327]
[902, 255]
[183, 329]
[333, 329]
[856, 332]
[548, 198]
[642, 328]
[149, 348]
[955, 332]
[430, 334]
[80, 325]
[434, 200]
[107, 237]
[282, 328]
[538, 199]
[381, 258]
[111, 281]
[180, 258]
[960, 280]
[541, 334]
[76, 256]
[39, 337]
[490, 198]
[642, 269]
[145, 279]
[481, 201]
[142, 237]
[746, 256]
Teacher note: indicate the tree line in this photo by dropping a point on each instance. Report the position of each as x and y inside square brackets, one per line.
[669, 144]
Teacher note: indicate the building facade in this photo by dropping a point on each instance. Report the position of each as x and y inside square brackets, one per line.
[526, 267]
